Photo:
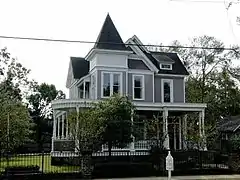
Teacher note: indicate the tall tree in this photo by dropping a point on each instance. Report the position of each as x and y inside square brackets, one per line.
[41, 111]
[14, 117]
[87, 128]
[117, 112]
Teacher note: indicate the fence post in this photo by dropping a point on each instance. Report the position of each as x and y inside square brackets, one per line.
[42, 161]
[200, 159]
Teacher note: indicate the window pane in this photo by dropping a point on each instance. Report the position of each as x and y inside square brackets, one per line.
[87, 85]
[106, 84]
[116, 89]
[116, 79]
[167, 97]
[106, 91]
[137, 81]
[81, 91]
[106, 79]
[137, 93]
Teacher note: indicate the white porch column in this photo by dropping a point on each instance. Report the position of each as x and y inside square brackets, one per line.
[58, 133]
[76, 140]
[180, 132]
[54, 129]
[201, 127]
[165, 119]
[63, 116]
[200, 124]
[132, 148]
[54, 125]
[185, 131]
[67, 125]
[84, 89]
[203, 131]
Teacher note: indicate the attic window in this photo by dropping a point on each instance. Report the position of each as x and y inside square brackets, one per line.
[166, 66]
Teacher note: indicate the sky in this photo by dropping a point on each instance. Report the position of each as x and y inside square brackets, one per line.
[153, 21]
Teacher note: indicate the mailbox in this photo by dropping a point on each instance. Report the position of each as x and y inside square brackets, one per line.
[169, 162]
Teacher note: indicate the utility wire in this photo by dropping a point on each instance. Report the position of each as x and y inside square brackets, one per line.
[198, 1]
[94, 42]
[206, 1]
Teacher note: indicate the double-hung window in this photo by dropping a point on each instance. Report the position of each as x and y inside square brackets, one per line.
[138, 87]
[111, 83]
[167, 90]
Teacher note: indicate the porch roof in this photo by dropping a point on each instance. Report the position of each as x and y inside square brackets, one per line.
[62, 104]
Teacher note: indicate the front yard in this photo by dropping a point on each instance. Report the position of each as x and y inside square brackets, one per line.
[36, 160]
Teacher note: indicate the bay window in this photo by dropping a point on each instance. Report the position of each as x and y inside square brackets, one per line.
[83, 90]
[138, 87]
[111, 83]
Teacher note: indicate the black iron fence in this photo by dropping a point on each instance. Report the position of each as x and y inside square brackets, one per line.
[120, 163]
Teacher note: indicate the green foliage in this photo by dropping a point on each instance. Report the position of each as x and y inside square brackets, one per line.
[13, 78]
[108, 121]
[39, 104]
[235, 142]
[19, 125]
[117, 112]
[212, 79]
[87, 128]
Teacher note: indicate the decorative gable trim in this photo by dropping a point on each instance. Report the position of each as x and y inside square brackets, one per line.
[138, 51]
[139, 42]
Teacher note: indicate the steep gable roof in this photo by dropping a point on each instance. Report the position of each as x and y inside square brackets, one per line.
[109, 37]
[80, 67]
[177, 66]
[161, 57]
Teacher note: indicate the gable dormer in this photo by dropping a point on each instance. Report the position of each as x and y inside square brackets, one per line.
[109, 49]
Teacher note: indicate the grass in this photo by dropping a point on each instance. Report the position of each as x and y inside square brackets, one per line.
[36, 160]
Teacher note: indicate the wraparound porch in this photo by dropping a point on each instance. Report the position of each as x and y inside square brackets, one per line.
[174, 131]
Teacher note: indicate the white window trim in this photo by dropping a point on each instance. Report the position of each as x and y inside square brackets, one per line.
[143, 86]
[111, 83]
[171, 89]
[166, 64]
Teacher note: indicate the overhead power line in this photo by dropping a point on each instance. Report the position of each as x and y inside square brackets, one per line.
[198, 1]
[204, 1]
[94, 42]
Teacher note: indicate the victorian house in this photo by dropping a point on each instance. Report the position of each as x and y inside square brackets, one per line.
[155, 81]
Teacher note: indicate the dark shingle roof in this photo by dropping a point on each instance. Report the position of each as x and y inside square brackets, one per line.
[109, 37]
[229, 124]
[177, 66]
[136, 64]
[80, 67]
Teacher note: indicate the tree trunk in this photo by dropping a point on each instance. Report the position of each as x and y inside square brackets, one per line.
[86, 165]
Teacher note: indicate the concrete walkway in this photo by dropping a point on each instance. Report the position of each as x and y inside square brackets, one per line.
[213, 177]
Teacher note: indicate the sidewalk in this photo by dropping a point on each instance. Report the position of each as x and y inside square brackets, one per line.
[213, 177]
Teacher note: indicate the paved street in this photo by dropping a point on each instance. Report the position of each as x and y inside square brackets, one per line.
[213, 177]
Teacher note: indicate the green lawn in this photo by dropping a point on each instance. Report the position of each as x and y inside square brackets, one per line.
[37, 160]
